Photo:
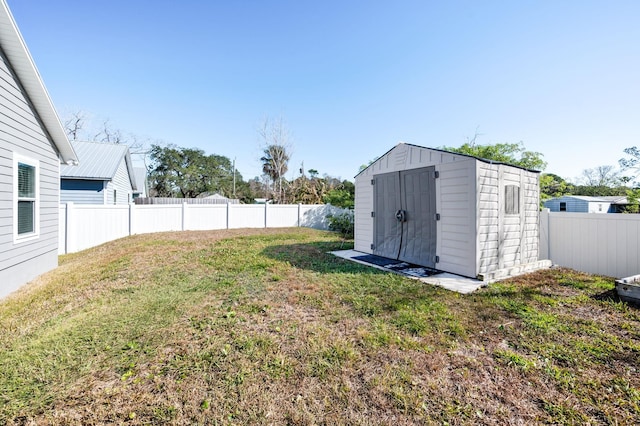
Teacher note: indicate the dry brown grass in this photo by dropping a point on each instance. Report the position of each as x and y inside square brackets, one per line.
[264, 327]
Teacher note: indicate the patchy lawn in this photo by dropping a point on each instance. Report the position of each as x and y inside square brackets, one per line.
[264, 327]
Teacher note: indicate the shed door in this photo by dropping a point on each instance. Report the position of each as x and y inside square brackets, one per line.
[387, 228]
[418, 193]
[405, 216]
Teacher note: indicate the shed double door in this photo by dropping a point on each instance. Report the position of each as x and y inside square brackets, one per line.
[405, 216]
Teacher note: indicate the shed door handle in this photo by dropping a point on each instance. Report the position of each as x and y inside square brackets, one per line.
[401, 215]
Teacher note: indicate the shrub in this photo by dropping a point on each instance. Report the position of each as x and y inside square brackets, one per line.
[342, 223]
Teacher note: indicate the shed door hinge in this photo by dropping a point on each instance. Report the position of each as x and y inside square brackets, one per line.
[373, 246]
[437, 216]
[436, 174]
[373, 181]
[436, 259]
[373, 214]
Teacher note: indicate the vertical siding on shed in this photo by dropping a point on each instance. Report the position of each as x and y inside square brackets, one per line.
[506, 240]
[487, 219]
[513, 227]
[456, 229]
[363, 229]
[22, 134]
[531, 239]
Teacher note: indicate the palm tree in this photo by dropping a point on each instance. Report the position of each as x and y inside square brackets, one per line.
[275, 164]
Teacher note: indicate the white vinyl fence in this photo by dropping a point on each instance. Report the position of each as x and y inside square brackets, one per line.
[605, 244]
[83, 226]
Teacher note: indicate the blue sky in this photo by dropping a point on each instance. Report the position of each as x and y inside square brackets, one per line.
[350, 78]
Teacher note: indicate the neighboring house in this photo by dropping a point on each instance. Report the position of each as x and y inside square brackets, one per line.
[586, 204]
[105, 175]
[33, 143]
[448, 211]
[141, 190]
[619, 203]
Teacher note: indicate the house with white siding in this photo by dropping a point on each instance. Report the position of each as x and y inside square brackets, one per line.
[447, 211]
[33, 144]
[105, 175]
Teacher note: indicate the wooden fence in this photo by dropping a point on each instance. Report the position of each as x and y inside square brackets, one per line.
[606, 244]
[83, 225]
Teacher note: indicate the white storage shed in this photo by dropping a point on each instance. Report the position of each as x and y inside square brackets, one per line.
[447, 211]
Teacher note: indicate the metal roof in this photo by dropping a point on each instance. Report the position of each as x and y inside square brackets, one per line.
[98, 161]
[15, 49]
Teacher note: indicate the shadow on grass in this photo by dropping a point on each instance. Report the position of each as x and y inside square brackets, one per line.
[316, 257]
[612, 296]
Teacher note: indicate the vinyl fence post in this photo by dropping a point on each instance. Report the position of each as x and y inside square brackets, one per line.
[131, 207]
[265, 214]
[69, 243]
[184, 214]
[228, 213]
[299, 215]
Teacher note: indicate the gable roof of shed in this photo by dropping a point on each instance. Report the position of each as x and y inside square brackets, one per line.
[99, 161]
[16, 52]
[484, 160]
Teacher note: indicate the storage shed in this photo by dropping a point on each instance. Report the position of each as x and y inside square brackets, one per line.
[447, 211]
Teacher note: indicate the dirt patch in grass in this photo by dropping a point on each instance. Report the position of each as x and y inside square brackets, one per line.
[265, 327]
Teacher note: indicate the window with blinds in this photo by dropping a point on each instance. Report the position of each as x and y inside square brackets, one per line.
[25, 195]
[26, 198]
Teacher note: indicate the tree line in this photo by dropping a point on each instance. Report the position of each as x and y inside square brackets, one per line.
[606, 180]
[189, 172]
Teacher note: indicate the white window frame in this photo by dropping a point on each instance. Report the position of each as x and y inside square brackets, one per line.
[19, 238]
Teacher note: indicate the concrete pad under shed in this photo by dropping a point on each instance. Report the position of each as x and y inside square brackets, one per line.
[445, 280]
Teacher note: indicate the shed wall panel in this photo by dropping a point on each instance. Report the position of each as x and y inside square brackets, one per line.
[455, 200]
[363, 229]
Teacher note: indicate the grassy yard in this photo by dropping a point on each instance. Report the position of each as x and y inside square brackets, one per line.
[264, 327]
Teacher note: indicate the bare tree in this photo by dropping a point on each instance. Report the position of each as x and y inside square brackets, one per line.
[601, 176]
[276, 140]
[74, 125]
[108, 134]
[472, 141]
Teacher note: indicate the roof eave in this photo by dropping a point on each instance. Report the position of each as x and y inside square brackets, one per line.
[22, 63]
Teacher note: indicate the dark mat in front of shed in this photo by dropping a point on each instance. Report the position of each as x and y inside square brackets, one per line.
[398, 266]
